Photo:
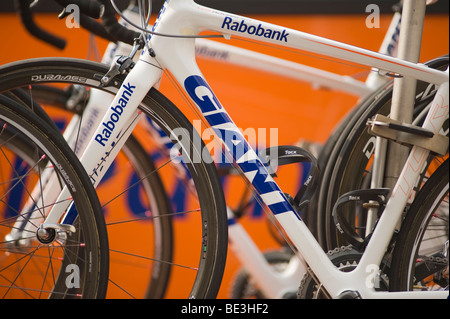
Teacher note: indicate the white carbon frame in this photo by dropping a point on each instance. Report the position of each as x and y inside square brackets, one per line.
[317, 78]
[184, 17]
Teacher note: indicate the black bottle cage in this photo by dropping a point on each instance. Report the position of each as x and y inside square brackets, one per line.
[362, 196]
[285, 154]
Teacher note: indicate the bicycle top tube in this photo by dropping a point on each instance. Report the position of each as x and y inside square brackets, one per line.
[185, 17]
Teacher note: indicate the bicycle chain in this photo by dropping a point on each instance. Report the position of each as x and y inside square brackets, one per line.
[435, 260]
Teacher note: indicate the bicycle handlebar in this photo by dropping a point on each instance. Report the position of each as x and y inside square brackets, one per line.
[110, 29]
[96, 28]
[90, 8]
[113, 26]
[26, 17]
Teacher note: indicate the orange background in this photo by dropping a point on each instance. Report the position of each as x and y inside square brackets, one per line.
[253, 99]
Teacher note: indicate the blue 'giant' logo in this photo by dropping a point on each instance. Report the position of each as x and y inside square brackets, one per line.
[245, 157]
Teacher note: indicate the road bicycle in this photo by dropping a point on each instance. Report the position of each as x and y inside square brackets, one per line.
[245, 163]
[234, 55]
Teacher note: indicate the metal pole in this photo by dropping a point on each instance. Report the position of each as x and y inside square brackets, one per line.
[403, 97]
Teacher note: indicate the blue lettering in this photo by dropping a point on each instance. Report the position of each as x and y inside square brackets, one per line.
[117, 111]
[201, 93]
[226, 22]
[394, 40]
[99, 138]
[243, 154]
[259, 31]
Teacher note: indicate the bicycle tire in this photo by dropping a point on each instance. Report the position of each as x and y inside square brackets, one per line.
[212, 226]
[350, 169]
[59, 265]
[326, 156]
[420, 257]
[149, 183]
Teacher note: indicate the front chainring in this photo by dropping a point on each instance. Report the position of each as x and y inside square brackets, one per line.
[345, 258]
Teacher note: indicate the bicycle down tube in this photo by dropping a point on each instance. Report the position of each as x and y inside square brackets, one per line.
[177, 55]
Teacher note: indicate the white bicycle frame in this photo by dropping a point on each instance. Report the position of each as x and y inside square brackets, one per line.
[318, 78]
[181, 17]
[272, 282]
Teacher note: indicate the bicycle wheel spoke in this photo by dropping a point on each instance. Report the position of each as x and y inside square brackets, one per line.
[137, 183]
[28, 256]
[122, 289]
[153, 217]
[20, 177]
[31, 262]
[153, 259]
[28, 290]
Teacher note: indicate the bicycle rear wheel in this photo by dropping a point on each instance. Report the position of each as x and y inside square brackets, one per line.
[353, 154]
[420, 257]
[59, 262]
[201, 227]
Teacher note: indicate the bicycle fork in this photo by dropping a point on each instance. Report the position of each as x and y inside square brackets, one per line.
[115, 128]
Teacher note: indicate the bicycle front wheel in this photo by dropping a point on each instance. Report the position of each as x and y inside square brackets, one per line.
[59, 262]
[143, 193]
[199, 215]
